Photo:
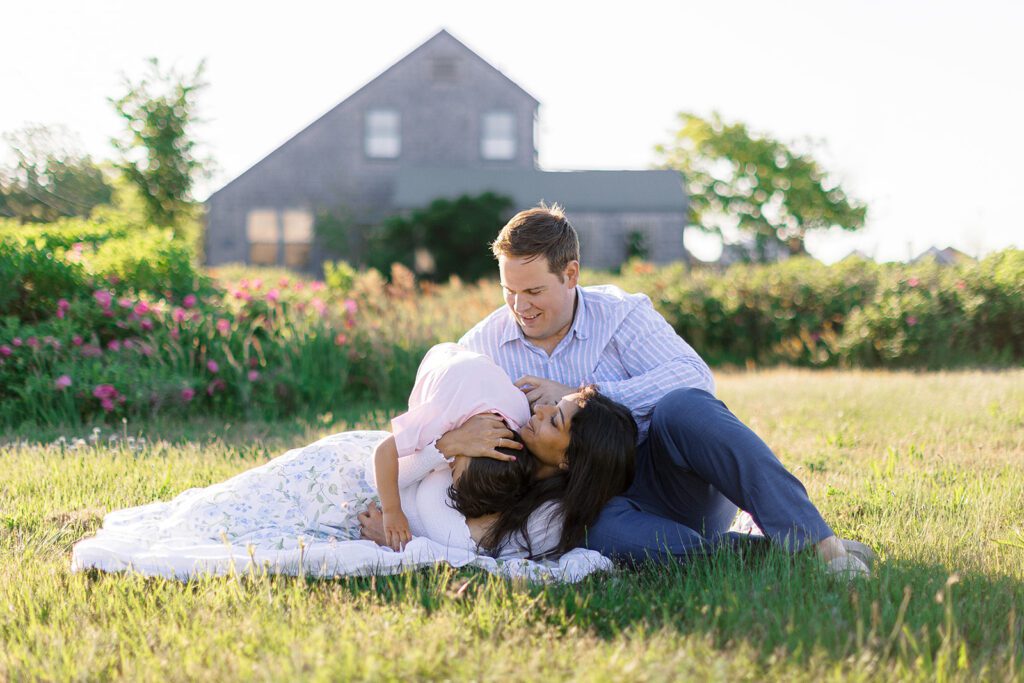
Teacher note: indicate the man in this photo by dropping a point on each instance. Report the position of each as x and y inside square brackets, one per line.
[695, 460]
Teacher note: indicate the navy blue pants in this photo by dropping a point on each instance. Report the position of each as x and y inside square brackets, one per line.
[697, 464]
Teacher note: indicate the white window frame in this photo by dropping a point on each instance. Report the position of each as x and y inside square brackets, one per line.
[498, 139]
[382, 133]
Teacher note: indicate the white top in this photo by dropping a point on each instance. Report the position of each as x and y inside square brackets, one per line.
[453, 384]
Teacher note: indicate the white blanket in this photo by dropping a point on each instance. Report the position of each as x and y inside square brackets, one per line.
[110, 552]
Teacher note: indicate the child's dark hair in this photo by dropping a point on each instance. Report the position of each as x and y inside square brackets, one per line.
[600, 458]
[508, 488]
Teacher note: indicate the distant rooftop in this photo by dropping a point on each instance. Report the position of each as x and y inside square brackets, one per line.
[574, 190]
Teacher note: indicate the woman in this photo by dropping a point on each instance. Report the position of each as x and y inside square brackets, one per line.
[314, 493]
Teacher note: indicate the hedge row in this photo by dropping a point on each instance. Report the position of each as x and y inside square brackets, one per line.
[99, 320]
[854, 314]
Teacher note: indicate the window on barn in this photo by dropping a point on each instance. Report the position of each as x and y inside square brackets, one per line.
[498, 135]
[261, 231]
[298, 237]
[383, 134]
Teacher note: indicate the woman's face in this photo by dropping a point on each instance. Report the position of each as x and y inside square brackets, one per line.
[547, 432]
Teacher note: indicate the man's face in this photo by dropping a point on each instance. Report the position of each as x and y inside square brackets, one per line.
[541, 301]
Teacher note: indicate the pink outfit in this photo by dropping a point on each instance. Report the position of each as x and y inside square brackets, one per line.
[453, 384]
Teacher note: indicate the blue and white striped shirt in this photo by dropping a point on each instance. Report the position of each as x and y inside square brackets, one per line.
[617, 341]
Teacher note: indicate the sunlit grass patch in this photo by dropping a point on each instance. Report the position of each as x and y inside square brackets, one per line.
[924, 467]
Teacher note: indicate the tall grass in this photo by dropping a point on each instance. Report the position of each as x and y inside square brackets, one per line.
[924, 467]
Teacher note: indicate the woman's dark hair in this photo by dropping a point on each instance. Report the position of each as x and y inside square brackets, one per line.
[600, 457]
[510, 489]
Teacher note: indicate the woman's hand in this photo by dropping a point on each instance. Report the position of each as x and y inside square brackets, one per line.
[396, 529]
[479, 437]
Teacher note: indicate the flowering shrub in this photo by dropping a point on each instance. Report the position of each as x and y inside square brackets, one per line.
[125, 326]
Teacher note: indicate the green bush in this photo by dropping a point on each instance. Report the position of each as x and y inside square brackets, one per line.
[123, 324]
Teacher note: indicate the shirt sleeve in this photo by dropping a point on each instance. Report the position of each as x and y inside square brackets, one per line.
[544, 528]
[657, 360]
[411, 468]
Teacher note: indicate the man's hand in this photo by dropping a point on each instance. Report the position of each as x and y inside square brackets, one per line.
[371, 525]
[545, 392]
[479, 437]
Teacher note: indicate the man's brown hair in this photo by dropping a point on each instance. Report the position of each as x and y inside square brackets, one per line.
[540, 231]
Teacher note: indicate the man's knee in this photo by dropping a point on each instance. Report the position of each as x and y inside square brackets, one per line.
[684, 408]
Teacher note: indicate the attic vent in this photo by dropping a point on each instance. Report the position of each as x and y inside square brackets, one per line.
[443, 70]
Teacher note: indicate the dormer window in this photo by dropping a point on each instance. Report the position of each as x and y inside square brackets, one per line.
[383, 134]
[498, 135]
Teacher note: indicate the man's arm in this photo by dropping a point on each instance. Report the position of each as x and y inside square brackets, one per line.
[657, 360]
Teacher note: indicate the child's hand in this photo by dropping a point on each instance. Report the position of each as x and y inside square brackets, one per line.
[396, 529]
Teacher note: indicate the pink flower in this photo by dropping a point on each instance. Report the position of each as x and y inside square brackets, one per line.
[913, 282]
[273, 295]
[961, 285]
[318, 305]
[189, 301]
[316, 285]
[175, 334]
[103, 298]
[32, 342]
[212, 366]
[340, 340]
[223, 326]
[113, 345]
[215, 386]
[178, 315]
[62, 382]
[62, 306]
[283, 283]
[244, 284]
[124, 302]
[107, 404]
[91, 351]
[76, 340]
[187, 394]
[254, 375]
[16, 341]
[146, 324]
[107, 313]
[257, 283]
[104, 391]
[911, 321]
[141, 308]
[5, 351]
[351, 306]
[299, 286]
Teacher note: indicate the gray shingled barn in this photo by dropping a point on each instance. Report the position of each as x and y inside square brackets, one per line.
[441, 122]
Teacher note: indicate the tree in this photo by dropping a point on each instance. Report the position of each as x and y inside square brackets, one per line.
[444, 239]
[51, 178]
[158, 151]
[756, 185]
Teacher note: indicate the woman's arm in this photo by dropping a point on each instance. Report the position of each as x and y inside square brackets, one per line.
[385, 464]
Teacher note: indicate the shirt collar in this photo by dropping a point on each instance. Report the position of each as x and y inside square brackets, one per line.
[580, 323]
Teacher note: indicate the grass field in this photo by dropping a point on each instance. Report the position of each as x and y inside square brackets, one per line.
[927, 468]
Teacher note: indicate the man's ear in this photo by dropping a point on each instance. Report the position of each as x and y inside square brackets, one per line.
[572, 273]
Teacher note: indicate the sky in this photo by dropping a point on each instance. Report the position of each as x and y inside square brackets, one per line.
[915, 107]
